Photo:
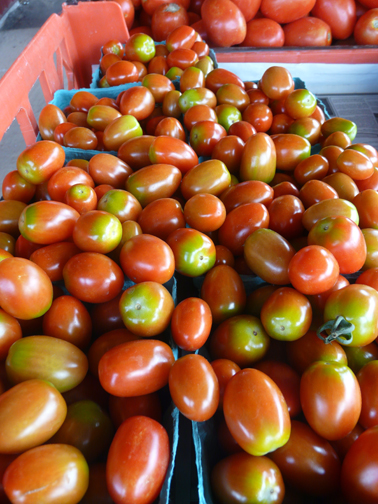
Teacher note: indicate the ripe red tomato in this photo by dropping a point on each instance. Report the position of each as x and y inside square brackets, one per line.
[135, 368]
[191, 323]
[263, 32]
[224, 22]
[330, 399]
[224, 292]
[284, 12]
[26, 292]
[122, 408]
[339, 14]
[93, 277]
[145, 258]
[47, 472]
[367, 379]
[313, 270]
[194, 387]
[308, 462]
[307, 32]
[137, 461]
[256, 412]
[30, 413]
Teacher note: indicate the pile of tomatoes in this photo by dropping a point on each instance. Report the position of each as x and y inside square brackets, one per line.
[258, 23]
[216, 181]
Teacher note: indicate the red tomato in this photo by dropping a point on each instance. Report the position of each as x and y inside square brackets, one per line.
[224, 292]
[93, 277]
[263, 32]
[344, 239]
[308, 349]
[314, 191]
[137, 461]
[308, 462]
[47, 472]
[169, 150]
[204, 212]
[268, 254]
[286, 379]
[330, 399]
[256, 412]
[365, 203]
[38, 162]
[145, 258]
[161, 217]
[367, 378]
[240, 223]
[69, 320]
[276, 82]
[285, 216]
[122, 408]
[248, 477]
[313, 270]
[30, 413]
[191, 323]
[194, 387]
[339, 14]
[17, 188]
[166, 18]
[10, 331]
[224, 369]
[135, 368]
[26, 291]
[307, 32]
[224, 22]
[47, 222]
[283, 12]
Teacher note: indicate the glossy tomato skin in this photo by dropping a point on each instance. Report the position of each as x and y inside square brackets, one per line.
[329, 207]
[357, 303]
[48, 471]
[339, 14]
[194, 251]
[161, 217]
[307, 31]
[224, 22]
[264, 425]
[93, 277]
[224, 292]
[367, 379]
[241, 339]
[282, 12]
[330, 398]
[286, 216]
[147, 258]
[356, 481]
[10, 331]
[30, 414]
[259, 159]
[47, 222]
[308, 462]
[97, 231]
[263, 32]
[52, 258]
[39, 161]
[137, 461]
[365, 31]
[313, 270]
[194, 387]
[146, 308]
[211, 176]
[204, 212]
[46, 358]
[26, 292]
[286, 315]
[240, 223]
[344, 239]
[191, 323]
[169, 150]
[268, 255]
[250, 191]
[152, 358]
[255, 479]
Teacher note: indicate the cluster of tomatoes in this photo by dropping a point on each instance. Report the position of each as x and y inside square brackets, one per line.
[257, 23]
[95, 344]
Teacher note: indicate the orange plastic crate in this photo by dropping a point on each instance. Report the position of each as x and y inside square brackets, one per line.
[67, 45]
